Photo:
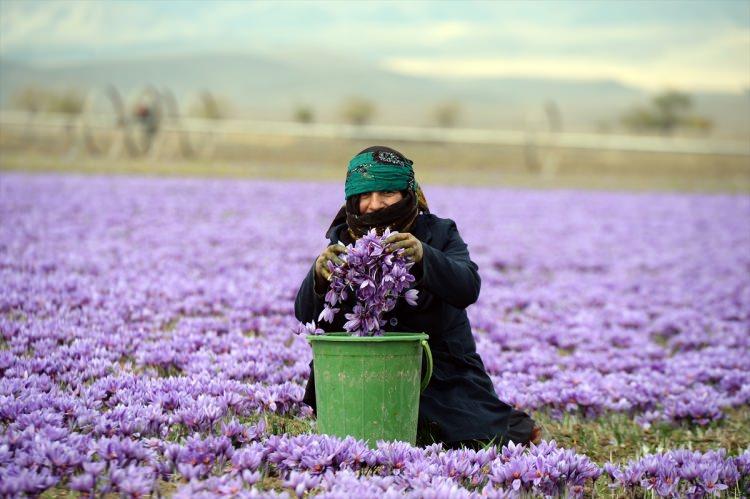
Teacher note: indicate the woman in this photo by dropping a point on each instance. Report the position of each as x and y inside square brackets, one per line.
[459, 407]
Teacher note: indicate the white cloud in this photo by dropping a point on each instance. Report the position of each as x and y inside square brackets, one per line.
[88, 24]
[712, 60]
[443, 32]
[502, 43]
[650, 76]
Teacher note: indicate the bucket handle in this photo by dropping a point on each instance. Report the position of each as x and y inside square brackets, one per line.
[428, 371]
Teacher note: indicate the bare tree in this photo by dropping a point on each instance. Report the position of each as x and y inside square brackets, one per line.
[447, 114]
[554, 116]
[209, 107]
[67, 102]
[30, 98]
[358, 110]
[304, 114]
[35, 99]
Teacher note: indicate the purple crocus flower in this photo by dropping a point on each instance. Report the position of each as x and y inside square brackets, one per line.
[302, 482]
[83, 483]
[709, 480]
[328, 313]
[308, 328]
[377, 278]
[411, 297]
[248, 458]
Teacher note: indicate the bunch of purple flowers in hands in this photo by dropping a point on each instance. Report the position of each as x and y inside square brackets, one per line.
[377, 276]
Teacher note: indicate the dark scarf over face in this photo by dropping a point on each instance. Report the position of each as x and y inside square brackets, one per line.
[400, 217]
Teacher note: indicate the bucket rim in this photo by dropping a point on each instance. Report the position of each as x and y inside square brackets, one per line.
[387, 337]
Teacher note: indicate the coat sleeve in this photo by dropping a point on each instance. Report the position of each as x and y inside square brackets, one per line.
[307, 307]
[449, 273]
[308, 304]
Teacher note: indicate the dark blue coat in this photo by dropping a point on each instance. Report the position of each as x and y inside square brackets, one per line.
[460, 404]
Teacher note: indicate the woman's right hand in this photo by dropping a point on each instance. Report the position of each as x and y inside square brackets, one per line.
[331, 253]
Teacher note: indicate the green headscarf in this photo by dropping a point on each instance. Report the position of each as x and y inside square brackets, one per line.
[379, 168]
[379, 171]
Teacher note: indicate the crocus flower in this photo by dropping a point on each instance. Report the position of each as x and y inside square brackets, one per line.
[377, 278]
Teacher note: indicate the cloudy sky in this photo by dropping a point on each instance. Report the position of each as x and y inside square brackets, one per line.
[692, 45]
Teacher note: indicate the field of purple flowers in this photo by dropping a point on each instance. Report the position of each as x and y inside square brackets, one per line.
[147, 342]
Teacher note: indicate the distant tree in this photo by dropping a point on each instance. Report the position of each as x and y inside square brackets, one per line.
[447, 114]
[30, 98]
[34, 99]
[67, 102]
[671, 109]
[554, 116]
[358, 111]
[209, 107]
[304, 114]
[603, 126]
[699, 123]
[667, 112]
[640, 118]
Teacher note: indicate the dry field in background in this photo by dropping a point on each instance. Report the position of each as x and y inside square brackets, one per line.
[279, 157]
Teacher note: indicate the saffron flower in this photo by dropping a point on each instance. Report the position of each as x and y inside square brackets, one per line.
[376, 277]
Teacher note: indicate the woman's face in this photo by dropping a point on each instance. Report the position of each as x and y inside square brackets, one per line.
[377, 200]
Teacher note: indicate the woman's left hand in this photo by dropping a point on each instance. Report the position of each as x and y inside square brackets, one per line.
[411, 245]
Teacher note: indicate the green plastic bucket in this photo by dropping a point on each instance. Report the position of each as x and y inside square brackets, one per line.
[368, 386]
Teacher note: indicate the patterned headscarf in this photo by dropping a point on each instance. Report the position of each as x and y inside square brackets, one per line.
[381, 168]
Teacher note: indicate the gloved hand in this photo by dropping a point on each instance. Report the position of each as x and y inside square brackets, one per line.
[411, 245]
[322, 274]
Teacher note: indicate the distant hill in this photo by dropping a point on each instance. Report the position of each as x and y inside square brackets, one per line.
[270, 88]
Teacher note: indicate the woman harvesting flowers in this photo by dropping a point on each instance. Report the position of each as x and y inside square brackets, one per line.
[459, 406]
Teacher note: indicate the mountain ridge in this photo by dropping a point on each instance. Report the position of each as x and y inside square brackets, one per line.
[267, 87]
